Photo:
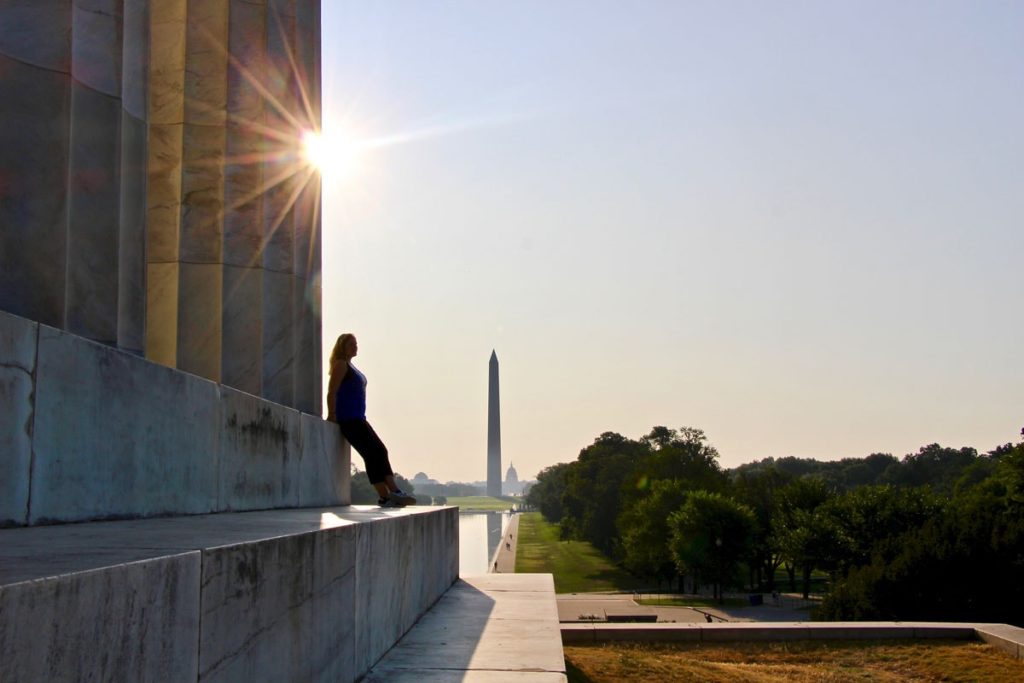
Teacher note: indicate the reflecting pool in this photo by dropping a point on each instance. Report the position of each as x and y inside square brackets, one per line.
[479, 536]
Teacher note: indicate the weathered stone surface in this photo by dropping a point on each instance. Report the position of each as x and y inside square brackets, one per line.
[96, 45]
[17, 364]
[162, 312]
[278, 357]
[202, 190]
[206, 63]
[392, 552]
[131, 283]
[37, 33]
[34, 141]
[143, 142]
[242, 350]
[199, 318]
[260, 447]
[131, 622]
[163, 193]
[325, 466]
[277, 610]
[167, 61]
[278, 594]
[135, 51]
[306, 339]
[93, 215]
[118, 436]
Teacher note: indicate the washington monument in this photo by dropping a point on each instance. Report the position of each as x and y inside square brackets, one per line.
[493, 431]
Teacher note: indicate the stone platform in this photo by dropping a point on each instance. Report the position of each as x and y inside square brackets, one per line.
[494, 628]
[277, 595]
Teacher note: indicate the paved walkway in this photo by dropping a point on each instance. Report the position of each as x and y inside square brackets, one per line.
[504, 560]
[495, 627]
[600, 607]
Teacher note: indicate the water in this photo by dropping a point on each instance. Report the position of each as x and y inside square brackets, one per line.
[479, 536]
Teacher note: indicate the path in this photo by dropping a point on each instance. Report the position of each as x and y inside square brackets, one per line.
[504, 560]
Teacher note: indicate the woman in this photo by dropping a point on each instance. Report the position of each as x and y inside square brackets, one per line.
[346, 405]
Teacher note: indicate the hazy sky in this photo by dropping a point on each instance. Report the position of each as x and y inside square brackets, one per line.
[798, 226]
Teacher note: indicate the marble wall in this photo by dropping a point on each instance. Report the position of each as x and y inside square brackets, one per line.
[89, 432]
[152, 192]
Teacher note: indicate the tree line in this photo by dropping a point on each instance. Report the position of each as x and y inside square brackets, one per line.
[936, 535]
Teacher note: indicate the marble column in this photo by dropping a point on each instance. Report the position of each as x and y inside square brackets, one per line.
[152, 193]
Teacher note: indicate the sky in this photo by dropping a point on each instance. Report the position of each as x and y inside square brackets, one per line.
[798, 226]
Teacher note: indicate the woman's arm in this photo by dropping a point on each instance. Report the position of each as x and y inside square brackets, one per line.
[338, 372]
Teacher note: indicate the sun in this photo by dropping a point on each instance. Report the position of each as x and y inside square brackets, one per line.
[334, 154]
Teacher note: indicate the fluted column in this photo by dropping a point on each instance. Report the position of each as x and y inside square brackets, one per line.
[152, 191]
[202, 188]
[131, 299]
[94, 174]
[242, 350]
[163, 193]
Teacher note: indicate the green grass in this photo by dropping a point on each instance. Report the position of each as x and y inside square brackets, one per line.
[482, 503]
[577, 566]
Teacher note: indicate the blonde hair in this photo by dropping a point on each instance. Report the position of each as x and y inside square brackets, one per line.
[339, 348]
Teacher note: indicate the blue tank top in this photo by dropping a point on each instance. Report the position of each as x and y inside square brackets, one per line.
[350, 403]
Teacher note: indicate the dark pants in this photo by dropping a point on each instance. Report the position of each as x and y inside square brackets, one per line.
[375, 454]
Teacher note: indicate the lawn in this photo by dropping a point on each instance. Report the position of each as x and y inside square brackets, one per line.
[483, 503]
[793, 662]
[577, 566]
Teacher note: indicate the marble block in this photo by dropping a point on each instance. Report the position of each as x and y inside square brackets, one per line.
[135, 57]
[96, 45]
[199, 318]
[163, 192]
[419, 553]
[117, 436]
[325, 466]
[162, 313]
[137, 621]
[18, 338]
[242, 351]
[33, 154]
[167, 61]
[202, 194]
[93, 215]
[37, 33]
[259, 454]
[206, 63]
[279, 610]
[131, 255]
[277, 337]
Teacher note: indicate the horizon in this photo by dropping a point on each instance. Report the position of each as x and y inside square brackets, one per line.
[796, 228]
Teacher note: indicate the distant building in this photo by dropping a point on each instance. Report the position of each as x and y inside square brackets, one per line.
[512, 486]
[422, 479]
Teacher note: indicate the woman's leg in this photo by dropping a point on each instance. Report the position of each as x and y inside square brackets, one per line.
[364, 439]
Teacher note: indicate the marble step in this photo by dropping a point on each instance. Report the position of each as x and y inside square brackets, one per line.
[276, 595]
[494, 628]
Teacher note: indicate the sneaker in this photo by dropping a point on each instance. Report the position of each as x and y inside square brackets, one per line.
[402, 498]
[388, 502]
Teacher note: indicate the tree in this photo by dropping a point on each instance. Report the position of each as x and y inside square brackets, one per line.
[794, 526]
[759, 490]
[362, 492]
[597, 486]
[643, 527]
[710, 535]
[546, 494]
